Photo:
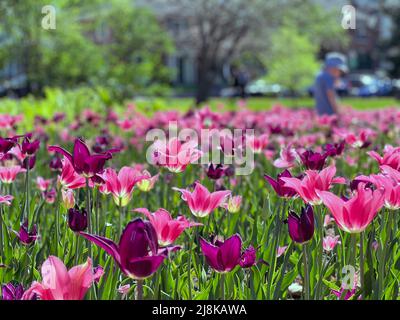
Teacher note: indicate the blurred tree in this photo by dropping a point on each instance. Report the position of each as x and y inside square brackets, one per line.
[222, 31]
[96, 42]
[292, 59]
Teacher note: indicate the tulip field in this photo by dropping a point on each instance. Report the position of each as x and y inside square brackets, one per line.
[92, 207]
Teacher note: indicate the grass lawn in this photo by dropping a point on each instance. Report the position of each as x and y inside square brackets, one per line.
[261, 103]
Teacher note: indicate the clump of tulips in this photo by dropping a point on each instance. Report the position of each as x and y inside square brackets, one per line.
[117, 217]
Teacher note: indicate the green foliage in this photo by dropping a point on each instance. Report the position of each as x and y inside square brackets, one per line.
[98, 42]
[292, 61]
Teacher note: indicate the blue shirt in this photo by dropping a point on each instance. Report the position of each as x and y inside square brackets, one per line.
[323, 82]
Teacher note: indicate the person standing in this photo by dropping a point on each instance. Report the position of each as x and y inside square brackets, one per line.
[326, 102]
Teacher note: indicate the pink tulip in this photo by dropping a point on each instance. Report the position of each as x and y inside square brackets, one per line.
[120, 185]
[312, 182]
[201, 202]
[68, 198]
[257, 143]
[280, 251]
[167, 228]
[148, 181]
[43, 184]
[390, 186]
[329, 243]
[6, 200]
[69, 179]
[174, 155]
[391, 157]
[60, 284]
[234, 203]
[355, 214]
[287, 158]
[9, 174]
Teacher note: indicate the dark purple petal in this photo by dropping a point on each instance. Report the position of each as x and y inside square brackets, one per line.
[106, 244]
[144, 267]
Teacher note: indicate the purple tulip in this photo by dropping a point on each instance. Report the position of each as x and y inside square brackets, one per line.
[137, 253]
[6, 144]
[56, 164]
[248, 258]
[12, 292]
[278, 184]
[313, 160]
[25, 236]
[28, 147]
[29, 162]
[77, 219]
[301, 229]
[335, 149]
[223, 256]
[83, 162]
[215, 172]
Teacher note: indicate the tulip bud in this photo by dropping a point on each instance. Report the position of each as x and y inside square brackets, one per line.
[77, 219]
[301, 229]
[68, 198]
[234, 204]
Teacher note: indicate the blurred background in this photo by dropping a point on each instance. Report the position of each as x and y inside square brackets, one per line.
[180, 53]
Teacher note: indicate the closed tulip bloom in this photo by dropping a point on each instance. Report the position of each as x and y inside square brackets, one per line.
[355, 214]
[257, 143]
[137, 252]
[287, 158]
[301, 228]
[167, 228]
[68, 198]
[248, 258]
[9, 174]
[121, 185]
[83, 162]
[223, 256]
[329, 243]
[279, 184]
[77, 219]
[58, 283]
[312, 182]
[10, 291]
[202, 202]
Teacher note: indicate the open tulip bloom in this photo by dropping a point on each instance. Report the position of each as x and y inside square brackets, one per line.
[167, 228]
[202, 202]
[137, 253]
[58, 283]
[312, 182]
[83, 162]
[121, 185]
[224, 256]
[355, 214]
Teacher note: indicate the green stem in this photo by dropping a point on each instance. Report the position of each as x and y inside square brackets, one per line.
[25, 214]
[306, 273]
[362, 261]
[139, 290]
[189, 268]
[1, 233]
[222, 279]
